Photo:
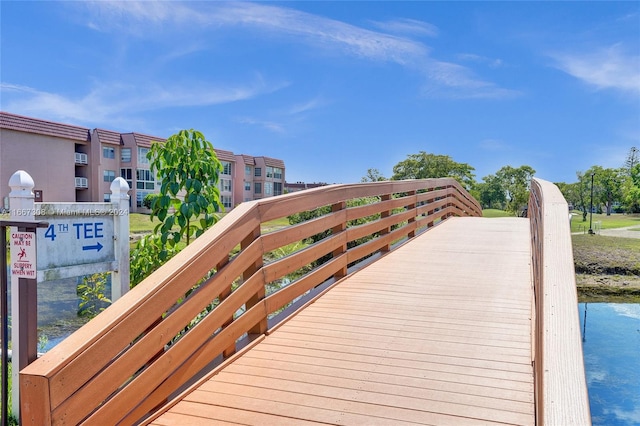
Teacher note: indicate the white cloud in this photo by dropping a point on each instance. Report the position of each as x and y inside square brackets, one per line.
[309, 105]
[627, 416]
[113, 102]
[627, 310]
[494, 145]
[605, 68]
[269, 125]
[471, 57]
[408, 26]
[444, 79]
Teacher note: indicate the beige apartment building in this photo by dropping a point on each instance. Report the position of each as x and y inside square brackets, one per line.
[71, 163]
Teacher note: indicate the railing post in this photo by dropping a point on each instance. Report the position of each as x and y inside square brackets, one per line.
[383, 215]
[24, 326]
[120, 202]
[336, 230]
[260, 327]
[412, 219]
[221, 297]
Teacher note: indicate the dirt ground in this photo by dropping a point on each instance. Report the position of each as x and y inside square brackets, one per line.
[608, 288]
[608, 266]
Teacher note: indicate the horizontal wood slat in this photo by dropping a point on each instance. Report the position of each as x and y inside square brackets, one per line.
[122, 359]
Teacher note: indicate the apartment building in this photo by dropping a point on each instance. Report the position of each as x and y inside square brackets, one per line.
[71, 163]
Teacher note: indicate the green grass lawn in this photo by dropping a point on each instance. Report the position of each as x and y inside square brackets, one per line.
[141, 223]
[496, 213]
[609, 255]
[616, 220]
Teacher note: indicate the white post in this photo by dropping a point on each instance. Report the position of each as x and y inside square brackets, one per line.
[21, 208]
[120, 201]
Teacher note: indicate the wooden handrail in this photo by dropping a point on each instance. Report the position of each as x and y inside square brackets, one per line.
[560, 384]
[136, 354]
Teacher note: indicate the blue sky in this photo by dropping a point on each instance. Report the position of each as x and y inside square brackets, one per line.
[336, 88]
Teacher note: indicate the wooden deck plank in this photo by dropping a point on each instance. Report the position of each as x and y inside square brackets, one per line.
[347, 352]
[436, 332]
[361, 381]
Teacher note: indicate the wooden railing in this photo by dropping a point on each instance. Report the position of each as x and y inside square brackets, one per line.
[560, 384]
[134, 356]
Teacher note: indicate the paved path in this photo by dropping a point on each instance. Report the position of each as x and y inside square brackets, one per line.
[626, 232]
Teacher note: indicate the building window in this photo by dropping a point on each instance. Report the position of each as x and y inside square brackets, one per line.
[125, 155]
[277, 173]
[140, 197]
[268, 188]
[247, 186]
[247, 170]
[257, 188]
[269, 172]
[225, 185]
[257, 172]
[109, 175]
[277, 188]
[144, 179]
[226, 201]
[106, 197]
[126, 175]
[108, 152]
[226, 168]
[142, 155]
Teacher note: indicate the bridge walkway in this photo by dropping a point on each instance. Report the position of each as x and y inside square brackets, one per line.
[439, 331]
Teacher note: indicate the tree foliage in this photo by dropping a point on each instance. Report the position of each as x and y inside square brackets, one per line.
[631, 190]
[516, 183]
[608, 184]
[490, 193]
[188, 170]
[423, 165]
[373, 175]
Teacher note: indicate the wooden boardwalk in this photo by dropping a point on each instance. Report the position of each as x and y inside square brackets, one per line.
[436, 332]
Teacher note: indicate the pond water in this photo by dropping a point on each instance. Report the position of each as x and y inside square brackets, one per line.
[611, 346]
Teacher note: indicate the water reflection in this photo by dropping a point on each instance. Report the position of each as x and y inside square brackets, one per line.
[611, 345]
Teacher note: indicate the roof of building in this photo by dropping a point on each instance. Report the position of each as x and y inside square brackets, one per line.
[108, 136]
[77, 133]
[43, 127]
[273, 162]
[145, 140]
[246, 159]
[225, 155]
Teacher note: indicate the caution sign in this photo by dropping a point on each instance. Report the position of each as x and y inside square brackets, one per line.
[23, 254]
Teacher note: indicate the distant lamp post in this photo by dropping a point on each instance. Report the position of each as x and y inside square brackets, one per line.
[591, 209]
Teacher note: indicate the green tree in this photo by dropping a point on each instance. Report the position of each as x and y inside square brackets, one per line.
[633, 159]
[188, 169]
[608, 185]
[423, 165]
[582, 193]
[515, 183]
[490, 193]
[373, 175]
[631, 190]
